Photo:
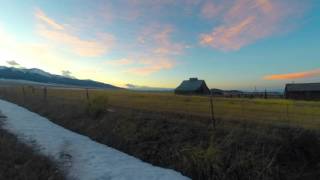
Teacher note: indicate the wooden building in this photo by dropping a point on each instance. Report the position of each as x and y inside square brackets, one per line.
[303, 91]
[193, 86]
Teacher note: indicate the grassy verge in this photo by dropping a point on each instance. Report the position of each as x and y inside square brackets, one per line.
[234, 150]
[19, 162]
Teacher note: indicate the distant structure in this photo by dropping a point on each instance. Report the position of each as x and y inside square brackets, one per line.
[217, 92]
[303, 91]
[232, 93]
[193, 86]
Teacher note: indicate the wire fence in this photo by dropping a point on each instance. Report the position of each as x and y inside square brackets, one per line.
[215, 109]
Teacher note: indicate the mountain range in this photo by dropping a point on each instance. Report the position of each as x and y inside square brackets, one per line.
[40, 76]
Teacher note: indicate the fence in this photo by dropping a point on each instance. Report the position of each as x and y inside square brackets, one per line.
[274, 111]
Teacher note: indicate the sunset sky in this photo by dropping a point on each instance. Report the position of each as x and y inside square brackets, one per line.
[232, 44]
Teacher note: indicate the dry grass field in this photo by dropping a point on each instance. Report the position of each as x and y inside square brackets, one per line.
[270, 111]
[254, 139]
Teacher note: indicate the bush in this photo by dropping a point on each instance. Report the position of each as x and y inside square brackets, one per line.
[97, 106]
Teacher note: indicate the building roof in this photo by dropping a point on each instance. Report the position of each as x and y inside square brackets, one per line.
[192, 84]
[303, 87]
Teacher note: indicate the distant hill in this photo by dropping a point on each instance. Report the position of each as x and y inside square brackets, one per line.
[40, 76]
[224, 92]
[147, 88]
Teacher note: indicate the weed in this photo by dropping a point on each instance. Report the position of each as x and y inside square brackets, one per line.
[97, 106]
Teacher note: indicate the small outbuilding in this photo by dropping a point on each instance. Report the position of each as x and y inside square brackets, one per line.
[193, 86]
[303, 91]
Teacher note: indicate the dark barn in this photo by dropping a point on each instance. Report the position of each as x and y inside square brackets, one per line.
[303, 91]
[193, 86]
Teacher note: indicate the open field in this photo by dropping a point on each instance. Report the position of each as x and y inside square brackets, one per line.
[269, 111]
[174, 131]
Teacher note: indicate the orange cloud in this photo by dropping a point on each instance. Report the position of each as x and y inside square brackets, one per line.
[152, 67]
[41, 16]
[298, 75]
[143, 64]
[159, 51]
[229, 38]
[265, 5]
[206, 39]
[245, 22]
[57, 33]
[158, 38]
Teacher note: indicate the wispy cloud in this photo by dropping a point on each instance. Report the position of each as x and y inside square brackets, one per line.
[154, 65]
[148, 88]
[230, 38]
[34, 54]
[159, 38]
[160, 50]
[246, 21]
[29, 54]
[13, 63]
[67, 73]
[211, 10]
[59, 34]
[157, 52]
[296, 75]
[119, 62]
[41, 16]
[165, 45]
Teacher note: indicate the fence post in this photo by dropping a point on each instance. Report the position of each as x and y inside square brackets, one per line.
[242, 109]
[243, 113]
[4, 92]
[32, 89]
[287, 112]
[24, 94]
[45, 93]
[212, 111]
[87, 94]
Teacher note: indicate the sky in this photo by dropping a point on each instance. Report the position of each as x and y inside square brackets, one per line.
[231, 44]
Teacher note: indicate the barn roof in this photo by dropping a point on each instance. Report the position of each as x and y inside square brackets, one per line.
[192, 84]
[303, 87]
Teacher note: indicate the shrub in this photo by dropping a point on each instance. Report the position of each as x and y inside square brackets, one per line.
[97, 106]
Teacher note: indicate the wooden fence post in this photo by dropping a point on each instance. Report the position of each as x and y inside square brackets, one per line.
[212, 111]
[32, 89]
[87, 94]
[243, 114]
[24, 94]
[45, 94]
[4, 92]
[265, 94]
[287, 112]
